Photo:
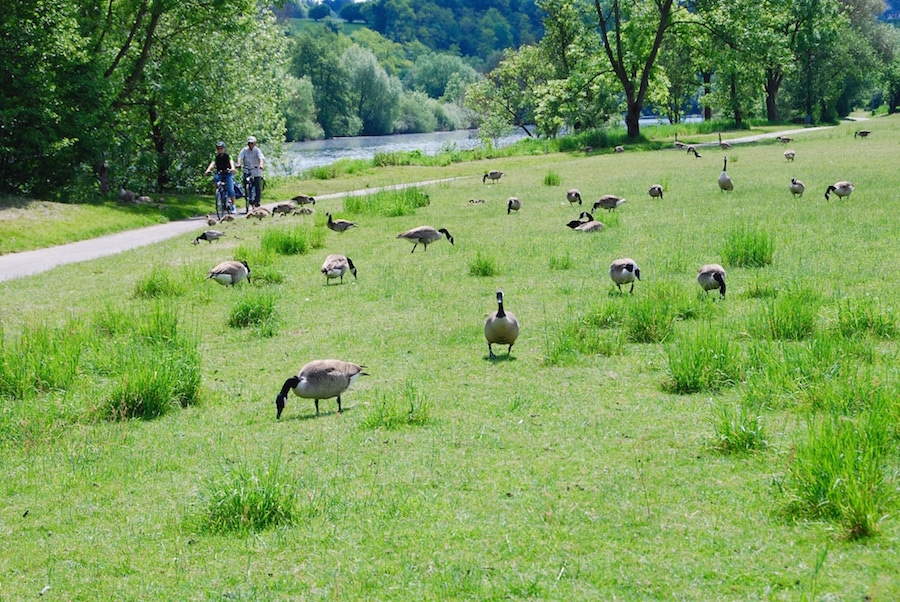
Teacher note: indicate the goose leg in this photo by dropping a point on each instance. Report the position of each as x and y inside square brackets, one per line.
[509, 350]
[491, 352]
[339, 405]
[632, 287]
[317, 407]
[414, 248]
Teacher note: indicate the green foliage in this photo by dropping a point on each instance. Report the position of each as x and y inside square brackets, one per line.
[255, 309]
[561, 261]
[40, 359]
[389, 203]
[393, 409]
[737, 429]
[748, 247]
[245, 498]
[160, 282]
[483, 265]
[865, 315]
[551, 179]
[791, 315]
[702, 360]
[565, 342]
[296, 239]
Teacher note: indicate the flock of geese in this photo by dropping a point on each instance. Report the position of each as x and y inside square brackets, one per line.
[329, 378]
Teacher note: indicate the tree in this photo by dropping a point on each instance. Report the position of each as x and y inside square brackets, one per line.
[431, 74]
[319, 12]
[318, 58]
[374, 94]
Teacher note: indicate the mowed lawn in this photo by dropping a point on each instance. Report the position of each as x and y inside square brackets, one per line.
[574, 469]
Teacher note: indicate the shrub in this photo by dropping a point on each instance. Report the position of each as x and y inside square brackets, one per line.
[160, 282]
[392, 410]
[702, 360]
[389, 203]
[551, 179]
[297, 239]
[737, 430]
[748, 247]
[865, 315]
[483, 265]
[246, 499]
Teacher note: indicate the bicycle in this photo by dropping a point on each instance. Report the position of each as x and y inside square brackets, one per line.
[223, 203]
[253, 186]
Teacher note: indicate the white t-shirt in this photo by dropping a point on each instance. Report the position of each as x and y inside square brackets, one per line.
[252, 159]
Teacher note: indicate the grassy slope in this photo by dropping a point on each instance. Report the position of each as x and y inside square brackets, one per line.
[584, 481]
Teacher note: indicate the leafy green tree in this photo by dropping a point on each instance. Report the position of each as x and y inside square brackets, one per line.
[317, 57]
[319, 12]
[395, 58]
[431, 74]
[374, 94]
[299, 110]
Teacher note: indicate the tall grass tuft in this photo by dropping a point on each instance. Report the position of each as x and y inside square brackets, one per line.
[702, 360]
[389, 203]
[249, 499]
[297, 239]
[649, 319]
[160, 282]
[748, 247]
[837, 472]
[790, 315]
[736, 429]
[483, 265]
[392, 409]
[570, 340]
[552, 179]
[41, 359]
[255, 309]
[561, 261]
[865, 315]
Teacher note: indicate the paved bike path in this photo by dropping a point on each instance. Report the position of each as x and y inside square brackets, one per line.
[28, 263]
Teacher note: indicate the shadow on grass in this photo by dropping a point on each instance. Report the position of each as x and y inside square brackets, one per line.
[313, 415]
[499, 358]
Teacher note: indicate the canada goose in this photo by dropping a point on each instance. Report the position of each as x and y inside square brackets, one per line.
[501, 328]
[230, 272]
[723, 145]
[424, 235]
[303, 211]
[784, 139]
[513, 204]
[862, 133]
[211, 221]
[619, 149]
[608, 201]
[679, 145]
[789, 155]
[303, 199]
[339, 225]
[841, 189]
[258, 212]
[476, 201]
[209, 236]
[796, 187]
[574, 196]
[656, 191]
[725, 182]
[588, 225]
[283, 209]
[712, 276]
[227, 218]
[320, 379]
[625, 270]
[577, 222]
[126, 196]
[693, 151]
[492, 175]
[336, 266]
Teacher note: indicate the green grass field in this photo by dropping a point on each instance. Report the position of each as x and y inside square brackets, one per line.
[662, 445]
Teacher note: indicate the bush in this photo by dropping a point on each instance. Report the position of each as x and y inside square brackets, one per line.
[748, 247]
[389, 203]
[244, 499]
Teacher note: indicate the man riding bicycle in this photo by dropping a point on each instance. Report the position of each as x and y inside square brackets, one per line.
[251, 160]
[224, 169]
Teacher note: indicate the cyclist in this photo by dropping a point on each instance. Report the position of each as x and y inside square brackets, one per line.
[251, 159]
[224, 167]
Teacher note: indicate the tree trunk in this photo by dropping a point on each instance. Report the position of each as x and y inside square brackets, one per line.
[101, 171]
[707, 90]
[773, 83]
[736, 105]
[633, 119]
[159, 145]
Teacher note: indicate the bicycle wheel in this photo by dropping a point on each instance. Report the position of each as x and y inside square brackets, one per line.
[221, 202]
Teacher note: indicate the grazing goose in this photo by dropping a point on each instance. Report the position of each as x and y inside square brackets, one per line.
[588, 225]
[789, 155]
[211, 221]
[619, 149]
[862, 133]
[320, 379]
[209, 236]
[492, 175]
[725, 182]
[230, 272]
[608, 201]
[424, 235]
[577, 222]
[625, 270]
[303, 199]
[476, 201]
[656, 191]
[784, 139]
[127, 196]
[336, 266]
[796, 187]
[283, 209]
[679, 145]
[723, 145]
[513, 204]
[259, 213]
[841, 189]
[574, 196]
[501, 328]
[712, 276]
[339, 225]
[304, 211]
[227, 218]
[693, 151]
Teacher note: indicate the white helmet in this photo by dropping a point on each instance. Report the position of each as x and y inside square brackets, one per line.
[251, 139]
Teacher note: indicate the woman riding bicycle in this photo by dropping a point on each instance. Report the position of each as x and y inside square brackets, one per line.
[224, 167]
[252, 159]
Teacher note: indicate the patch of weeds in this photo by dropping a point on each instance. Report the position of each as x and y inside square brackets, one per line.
[791, 315]
[41, 359]
[561, 261]
[580, 338]
[702, 360]
[737, 429]
[865, 315]
[296, 239]
[649, 319]
[761, 288]
[389, 203]
[160, 282]
[247, 498]
[395, 409]
[748, 247]
[255, 309]
[483, 265]
[552, 179]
